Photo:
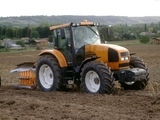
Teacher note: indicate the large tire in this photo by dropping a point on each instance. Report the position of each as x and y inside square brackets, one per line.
[48, 74]
[96, 77]
[141, 84]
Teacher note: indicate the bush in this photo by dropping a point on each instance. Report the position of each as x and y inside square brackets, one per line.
[2, 47]
[144, 39]
[2, 37]
[20, 43]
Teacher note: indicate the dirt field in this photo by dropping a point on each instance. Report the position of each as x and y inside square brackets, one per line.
[24, 104]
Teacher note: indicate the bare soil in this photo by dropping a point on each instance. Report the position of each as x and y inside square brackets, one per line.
[26, 104]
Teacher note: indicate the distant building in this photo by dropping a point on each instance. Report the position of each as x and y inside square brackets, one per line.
[25, 39]
[42, 43]
[147, 34]
[7, 43]
[10, 44]
[156, 41]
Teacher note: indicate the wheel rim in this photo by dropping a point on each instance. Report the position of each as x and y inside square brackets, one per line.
[92, 81]
[46, 76]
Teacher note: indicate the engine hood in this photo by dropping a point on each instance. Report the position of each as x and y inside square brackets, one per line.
[106, 52]
[117, 47]
[104, 47]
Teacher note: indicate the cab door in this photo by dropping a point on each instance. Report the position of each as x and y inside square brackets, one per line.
[62, 42]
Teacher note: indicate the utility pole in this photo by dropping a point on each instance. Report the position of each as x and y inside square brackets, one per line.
[0, 81]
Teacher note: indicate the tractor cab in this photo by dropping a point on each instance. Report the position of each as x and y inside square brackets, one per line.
[71, 39]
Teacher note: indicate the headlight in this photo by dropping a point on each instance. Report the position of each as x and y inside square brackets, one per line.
[75, 24]
[125, 58]
[96, 24]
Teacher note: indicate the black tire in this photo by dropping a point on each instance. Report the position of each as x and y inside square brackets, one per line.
[141, 84]
[52, 80]
[98, 70]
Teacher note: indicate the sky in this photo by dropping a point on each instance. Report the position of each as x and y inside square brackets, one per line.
[130, 8]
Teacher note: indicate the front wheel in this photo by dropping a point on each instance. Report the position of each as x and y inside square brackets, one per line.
[96, 77]
[48, 74]
[140, 84]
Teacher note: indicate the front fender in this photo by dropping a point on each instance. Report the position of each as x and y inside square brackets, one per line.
[60, 57]
[87, 60]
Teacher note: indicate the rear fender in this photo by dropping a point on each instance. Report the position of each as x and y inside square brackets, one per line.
[57, 54]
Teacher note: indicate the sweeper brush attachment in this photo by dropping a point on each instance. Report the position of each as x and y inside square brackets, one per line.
[27, 74]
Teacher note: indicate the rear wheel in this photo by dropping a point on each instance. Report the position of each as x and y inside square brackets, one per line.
[96, 77]
[138, 85]
[48, 74]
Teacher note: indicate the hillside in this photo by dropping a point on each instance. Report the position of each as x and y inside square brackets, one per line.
[107, 20]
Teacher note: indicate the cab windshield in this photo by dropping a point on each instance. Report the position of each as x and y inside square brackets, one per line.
[85, 35]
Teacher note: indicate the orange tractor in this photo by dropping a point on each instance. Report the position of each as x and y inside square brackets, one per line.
[78, 58]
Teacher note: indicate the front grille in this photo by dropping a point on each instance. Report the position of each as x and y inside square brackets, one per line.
[123, 64]
[124, 54]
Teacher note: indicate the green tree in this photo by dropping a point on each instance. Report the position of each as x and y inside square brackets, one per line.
[0, 30]
[25, 32]
[144, 39]
[9, 33]
[145, 27]
[3, 31]
[19, 33]
[106, 33]
[43, 31]
[21, 43]
[14, 32]
[34, 34]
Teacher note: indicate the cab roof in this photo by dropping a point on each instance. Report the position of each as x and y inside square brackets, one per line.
[84, 23]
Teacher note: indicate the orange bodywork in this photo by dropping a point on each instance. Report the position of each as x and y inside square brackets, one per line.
[100, 50]
[84, 23]
[59, 26]
[60, 57]
[27, 70]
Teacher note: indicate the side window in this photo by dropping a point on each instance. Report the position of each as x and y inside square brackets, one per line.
[56, 38]
[67, 31]
[63, 43]
[62, 38]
